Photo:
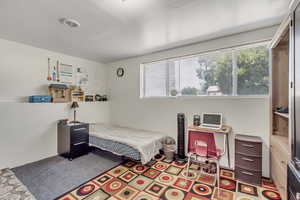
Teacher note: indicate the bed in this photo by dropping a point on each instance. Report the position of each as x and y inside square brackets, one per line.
[132, 143]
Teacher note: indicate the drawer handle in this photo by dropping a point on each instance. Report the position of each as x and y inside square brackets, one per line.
[79, 129]
[247, 173]
[248, 145]
[79, 143]
[247, 159]
[282, 162]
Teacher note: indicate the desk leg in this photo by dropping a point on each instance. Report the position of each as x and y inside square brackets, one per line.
[228, 151]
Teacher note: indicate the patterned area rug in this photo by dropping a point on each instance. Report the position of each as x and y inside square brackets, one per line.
[164, 180]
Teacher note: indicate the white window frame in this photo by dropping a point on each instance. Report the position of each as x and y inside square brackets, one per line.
[234, 71]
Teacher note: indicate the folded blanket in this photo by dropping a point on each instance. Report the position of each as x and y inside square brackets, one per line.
[148, 143]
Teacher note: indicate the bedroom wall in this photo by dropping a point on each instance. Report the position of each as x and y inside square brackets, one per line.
[28, 131]
[245, 115]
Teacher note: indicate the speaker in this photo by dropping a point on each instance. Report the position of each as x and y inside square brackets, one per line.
[181, 135]
[196, 120]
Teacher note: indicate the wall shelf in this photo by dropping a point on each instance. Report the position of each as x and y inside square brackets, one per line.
[284, 115]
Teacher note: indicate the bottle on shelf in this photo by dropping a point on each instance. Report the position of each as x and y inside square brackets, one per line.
[54, 74]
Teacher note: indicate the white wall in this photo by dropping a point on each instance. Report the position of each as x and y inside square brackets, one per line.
[28, 131]
[245, 115]
[23, 70]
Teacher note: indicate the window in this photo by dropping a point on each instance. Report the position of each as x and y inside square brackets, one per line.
[252, 71]
[155, 79]
[209, 74]
[232, 72]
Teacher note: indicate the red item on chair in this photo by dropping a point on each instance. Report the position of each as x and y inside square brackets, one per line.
[201, 150]
[210, 151]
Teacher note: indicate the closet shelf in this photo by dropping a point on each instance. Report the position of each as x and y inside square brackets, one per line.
[284, 115]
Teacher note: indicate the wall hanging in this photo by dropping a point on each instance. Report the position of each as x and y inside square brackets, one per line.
[66, 73]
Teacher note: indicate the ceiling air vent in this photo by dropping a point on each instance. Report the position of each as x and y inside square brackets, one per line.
[69, 22]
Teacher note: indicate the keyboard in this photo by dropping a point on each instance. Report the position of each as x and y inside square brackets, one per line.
[210, 127]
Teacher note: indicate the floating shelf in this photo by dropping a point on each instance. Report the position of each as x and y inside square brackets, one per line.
[284, 115]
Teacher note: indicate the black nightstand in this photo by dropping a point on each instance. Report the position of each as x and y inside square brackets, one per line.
[72, 139]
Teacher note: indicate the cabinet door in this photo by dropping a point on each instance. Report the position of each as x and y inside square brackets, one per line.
[296, 99]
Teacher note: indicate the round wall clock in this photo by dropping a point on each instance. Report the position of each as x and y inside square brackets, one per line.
[120, 72]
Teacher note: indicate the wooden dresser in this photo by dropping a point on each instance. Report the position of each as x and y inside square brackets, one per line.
[248, 159]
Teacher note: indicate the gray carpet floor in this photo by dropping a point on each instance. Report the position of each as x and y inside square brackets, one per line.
[49, 178]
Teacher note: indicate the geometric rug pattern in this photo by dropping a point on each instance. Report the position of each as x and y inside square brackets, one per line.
[163, 180]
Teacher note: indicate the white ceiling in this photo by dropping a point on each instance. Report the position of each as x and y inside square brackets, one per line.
[112, 29]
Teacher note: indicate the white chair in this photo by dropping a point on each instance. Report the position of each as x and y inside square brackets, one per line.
[204, 149]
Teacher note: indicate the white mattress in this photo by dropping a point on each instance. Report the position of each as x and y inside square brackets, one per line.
[148, 143]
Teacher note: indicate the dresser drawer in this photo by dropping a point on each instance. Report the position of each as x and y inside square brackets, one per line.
[79, 137]
[80, 129]
[248, 162]
[248, 176]
[79, 134]
[78, 149]
[248, 148]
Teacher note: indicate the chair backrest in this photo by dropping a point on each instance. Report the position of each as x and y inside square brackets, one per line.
[206, 138]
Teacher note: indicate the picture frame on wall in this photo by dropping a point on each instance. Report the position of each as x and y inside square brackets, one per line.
[66, 73]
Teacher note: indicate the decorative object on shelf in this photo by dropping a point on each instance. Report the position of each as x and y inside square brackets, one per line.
[77, 94]
[89, 98]
[49, 78]
[65, 73]
[196, 120]
[63, 122]
[60, 93]
[174, 93]
[57, 71]
[120, 72]
[54, 74]
[282, 110]
[74, 106]
[40, 99]
[104, 98]
[98, 97]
